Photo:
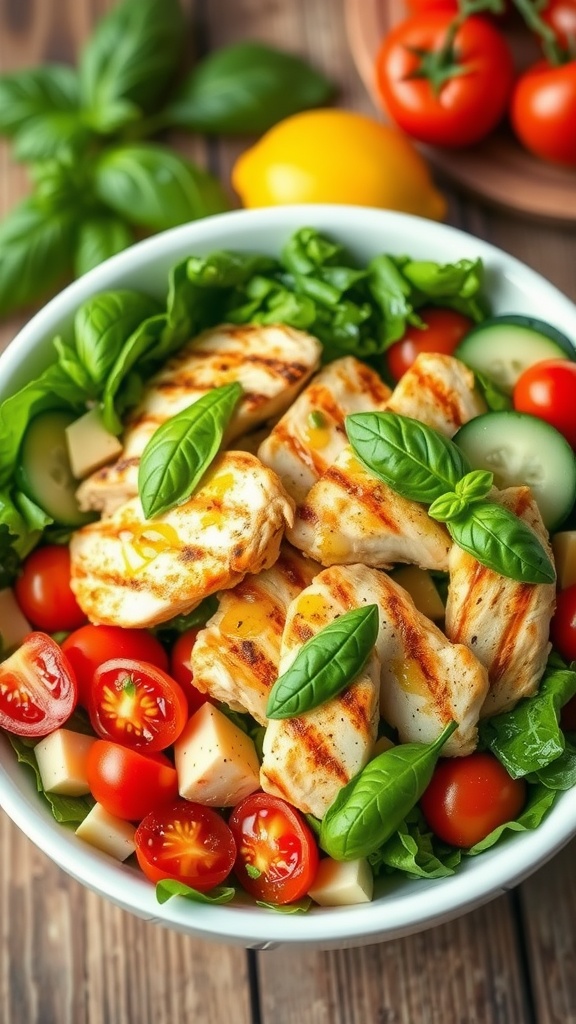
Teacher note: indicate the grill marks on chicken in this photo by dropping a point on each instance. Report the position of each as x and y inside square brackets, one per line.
[438, 390]
[271, 362]
[505, 623]
[130, 571]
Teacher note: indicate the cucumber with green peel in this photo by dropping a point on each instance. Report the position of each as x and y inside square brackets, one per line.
[502, 347]
[521, 449]
[44, 473]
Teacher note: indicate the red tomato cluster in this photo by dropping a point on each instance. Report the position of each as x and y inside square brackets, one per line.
[448, 79]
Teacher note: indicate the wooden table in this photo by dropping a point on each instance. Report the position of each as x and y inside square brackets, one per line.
[69, 957]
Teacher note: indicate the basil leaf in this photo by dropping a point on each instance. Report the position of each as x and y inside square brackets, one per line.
[371, 807]
[181, 449]
[67, 810]
[169, 887]
[245, 89]
[412, 458]
[35, 253]
[298, 907]
[146, 336]
[70, 363]
[103, 324]
[53, 134]
[504, 543]
[98, 239]
[9, 558]
[151, 186]
[495, 399]
[540, 801]
[393, 294]
[528, 738]
[27, 94]
[325, 664]
[132, 55]
[413, 851]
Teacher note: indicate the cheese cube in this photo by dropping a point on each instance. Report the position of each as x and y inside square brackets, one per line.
[216, 762]
[107, 833]
[564, 548]
[382, 743]
[420, 586]
[61, 758]
[90, 445]
[342, 883]
[13, 626]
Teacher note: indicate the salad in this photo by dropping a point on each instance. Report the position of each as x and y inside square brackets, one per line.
[292, 605]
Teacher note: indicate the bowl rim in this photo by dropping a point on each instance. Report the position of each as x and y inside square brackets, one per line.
[431, 902]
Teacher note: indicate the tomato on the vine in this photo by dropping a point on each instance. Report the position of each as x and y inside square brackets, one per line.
[43, 590]
[88, 647]
[188, 842]
[560, 15]
[543, 111]
[444, 330]
[38, 689]
[444, 82]
[181, 670]
[469, 797]
[563, 625]
[129, 784]
[548, 390]
[136, 704]
[277, 855]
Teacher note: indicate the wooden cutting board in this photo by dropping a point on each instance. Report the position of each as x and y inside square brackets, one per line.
[498, 169]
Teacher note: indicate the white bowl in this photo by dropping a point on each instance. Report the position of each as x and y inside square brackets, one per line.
[402, 906]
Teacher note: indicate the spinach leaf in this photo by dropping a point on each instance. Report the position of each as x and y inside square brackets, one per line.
[150, 186]
[119, 388]
[26, 95]
[540, 800]
[393, 294]
[457, 285]
[22, 536]
[131, 59]
[414, 851]
[169, 887]
[99, 238]
[9, 558]
[561, 773]
[504, 543]
[35, 252]
[298, 907]
[245, 89]
[412, 458]
[193, 620]
[372, 806]
[325, 664]
[103, 324]
[67, 810]
[529, 738]
[181, 449]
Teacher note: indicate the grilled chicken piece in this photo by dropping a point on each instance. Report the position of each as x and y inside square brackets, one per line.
[352, 516]
[129, 571]
[311, 435]
[504, 622]
[439, 391]
[307, 759]
[271, 362]
[235, 658]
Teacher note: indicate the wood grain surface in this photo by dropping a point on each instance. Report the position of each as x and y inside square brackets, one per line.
[69, 957]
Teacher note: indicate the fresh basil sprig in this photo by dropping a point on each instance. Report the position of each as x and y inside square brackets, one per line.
[502, 542]
[325, 664]
[371, 807]
[181, 449]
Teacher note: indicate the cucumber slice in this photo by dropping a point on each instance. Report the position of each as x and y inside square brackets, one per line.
[504, 346]
[521, 449]
[44, 472]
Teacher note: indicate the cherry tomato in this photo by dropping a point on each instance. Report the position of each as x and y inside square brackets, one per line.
[43, 590]
[86, 648]
[472, 88]
[444, 330]
[127, 783]
[277, 855]
[563, 625]
[560, 15]
[470, 796]
[181, 670]
[548, 390]
[543, 111]
[188, 842]
[38, 688]
[419, 6]
[136, 704]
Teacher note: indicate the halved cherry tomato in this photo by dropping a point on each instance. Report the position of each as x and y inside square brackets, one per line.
[444, 82]
[444, 330]
[38, 689]
[43, 590]
[136, 704]
[470, 796]
[88, 647]
[548, 390]
[543, 111]
[127, 783]
[563, 625]
[277, 855]
[188, 842]
[181, 670]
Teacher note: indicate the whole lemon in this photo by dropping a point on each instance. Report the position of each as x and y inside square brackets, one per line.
[336, 156]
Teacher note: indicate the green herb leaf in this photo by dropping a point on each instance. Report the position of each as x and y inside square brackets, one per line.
[495, 399]
[181, 449]
[561, 773]
[504, 543]
[326, 664]
[35, 253]
[169, 887]
[414, 851]
[245, 89]
[372, 806]
[26, 95]
[67, 810]
[252, 871]
[540, 800]
[9, 559]
[456, 285]
[393, 294]
[193, 620]
[416, 461]
[298, 907]
[150, 186]
[145, 338]
[53, 134]
[98, 239]
[103, 324]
